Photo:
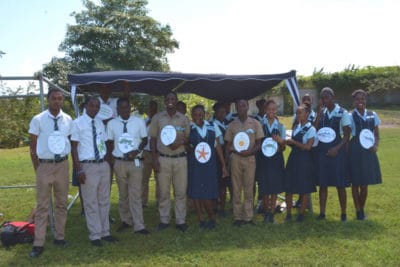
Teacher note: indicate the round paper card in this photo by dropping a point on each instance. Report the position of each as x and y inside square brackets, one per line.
[168, 135]
[367, 138]
[105, 112]
[269, 147]
[241, 141]
[202, 152]
[326, 135]
[126, 143]
[56, 142]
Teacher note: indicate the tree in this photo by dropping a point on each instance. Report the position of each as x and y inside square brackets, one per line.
[114, 35]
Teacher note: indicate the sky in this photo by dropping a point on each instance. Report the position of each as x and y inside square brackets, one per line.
[225, 36]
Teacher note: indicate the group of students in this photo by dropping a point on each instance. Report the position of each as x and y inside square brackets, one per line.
[200, 159]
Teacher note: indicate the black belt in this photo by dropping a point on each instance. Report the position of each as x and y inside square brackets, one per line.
[126, 159]
[182, 154]
[61, 159]
[92, 161]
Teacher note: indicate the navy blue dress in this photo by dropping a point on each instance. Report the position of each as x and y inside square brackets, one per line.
[203, 181]
[364, 165]
[331, 171]
[270, 171]
[300, 171]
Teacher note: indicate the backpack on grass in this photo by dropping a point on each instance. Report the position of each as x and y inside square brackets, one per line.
[13, 233]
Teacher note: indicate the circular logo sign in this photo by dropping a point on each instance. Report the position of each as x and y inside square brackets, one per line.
[326, 135]
[105, 112]
[126, 143]
[168, 135]
[241, 141]
[269, 147]
[56, 142]
[367, 138]
[202, 152]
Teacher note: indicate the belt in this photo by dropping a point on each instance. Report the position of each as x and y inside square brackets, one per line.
[61, 159]
[182, 154]
[126, 159]
[92, 161]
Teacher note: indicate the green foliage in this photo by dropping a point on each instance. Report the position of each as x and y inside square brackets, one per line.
[16, 115]
[191, 100]
[114, 35]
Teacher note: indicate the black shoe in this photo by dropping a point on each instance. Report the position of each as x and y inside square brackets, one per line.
[343, 217]
[36, 251]
[266, 217]
[288, 218]
[60, 242]
[321, 217]
[123, 227]
[96, 243]
[211, 224]
[182, 227]
[109, 239]
[237, 223]
[359, 215]
[300, 218]
[162, 226]
[202, 225]
[142, 232]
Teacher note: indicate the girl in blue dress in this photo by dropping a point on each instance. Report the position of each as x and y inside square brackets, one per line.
[202, 159]
[332, 122]
[364, 165]
[270, 170]
[299, 176]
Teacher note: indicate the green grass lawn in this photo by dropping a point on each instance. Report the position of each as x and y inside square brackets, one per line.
[374, 242]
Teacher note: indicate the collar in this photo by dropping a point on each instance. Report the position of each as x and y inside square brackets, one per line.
[122, 120]
[361, 115]
[60, 113]
[335, 110]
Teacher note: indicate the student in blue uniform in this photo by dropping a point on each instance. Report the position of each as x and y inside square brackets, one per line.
[204, 150]
[223, 182]
[299, 177]
[332, 121]
[364, 165]
[270, 170]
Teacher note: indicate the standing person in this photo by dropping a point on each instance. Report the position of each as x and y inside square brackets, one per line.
[364, 164]
[203, 180]
[332, 120]
[300, 173]
[127, 136]
[181, 107]
[243, 138]
[88, 151]
[270, 168]
[49, 132]
[169, 132]
[147, 159]
[223, 182]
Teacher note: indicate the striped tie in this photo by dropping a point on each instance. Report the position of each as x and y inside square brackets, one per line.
[96, 150]
[57, 157]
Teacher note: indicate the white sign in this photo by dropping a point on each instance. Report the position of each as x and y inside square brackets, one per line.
[126, 143]
[105, 112]
[168, 135]
[56, 142]
[241, 141]
[269, 147]
[202, 152]
[367, 138]
[326, 135]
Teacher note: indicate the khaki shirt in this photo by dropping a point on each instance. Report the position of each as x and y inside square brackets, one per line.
[178, 120]
[250, 126]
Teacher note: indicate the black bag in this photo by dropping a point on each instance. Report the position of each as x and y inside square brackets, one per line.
[13, 233]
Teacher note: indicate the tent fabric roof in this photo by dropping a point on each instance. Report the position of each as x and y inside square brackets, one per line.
[213, 86]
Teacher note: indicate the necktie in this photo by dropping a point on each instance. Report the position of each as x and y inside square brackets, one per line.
[96, 150]
[125, 130]
[56, 156]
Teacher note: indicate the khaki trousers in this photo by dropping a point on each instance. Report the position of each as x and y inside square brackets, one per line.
[96, 198]
[172, 170]
[51, 177]
[147, 170]
[129, 180]
[242, 175]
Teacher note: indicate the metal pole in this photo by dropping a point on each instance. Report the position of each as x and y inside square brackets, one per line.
[41, 92]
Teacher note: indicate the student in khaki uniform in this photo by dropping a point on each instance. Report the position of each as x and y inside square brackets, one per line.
[170, 163]
[243, 164]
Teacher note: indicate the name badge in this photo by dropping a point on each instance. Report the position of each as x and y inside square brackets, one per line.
[269, 147]
[126, 143]
[241, 141]
[326, 135]
[367, 138]
[168, 135]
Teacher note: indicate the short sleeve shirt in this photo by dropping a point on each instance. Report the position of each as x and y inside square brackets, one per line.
[250, 126]
[135, 126]
[179, 121]
[310, 133]
[42, 125]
